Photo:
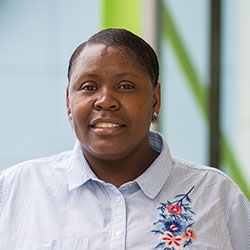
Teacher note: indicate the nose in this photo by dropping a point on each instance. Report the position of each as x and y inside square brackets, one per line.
[107, 101]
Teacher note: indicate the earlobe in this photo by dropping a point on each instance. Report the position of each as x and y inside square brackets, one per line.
[69, 113]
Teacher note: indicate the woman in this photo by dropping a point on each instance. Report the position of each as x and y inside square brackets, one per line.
[119, 188]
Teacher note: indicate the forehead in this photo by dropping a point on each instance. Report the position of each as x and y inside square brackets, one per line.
[98, 52]
[100, 56]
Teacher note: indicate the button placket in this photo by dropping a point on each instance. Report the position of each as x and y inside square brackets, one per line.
[118, 221]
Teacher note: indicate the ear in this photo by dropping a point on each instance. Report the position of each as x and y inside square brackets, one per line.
[67, 101]
[157, 98]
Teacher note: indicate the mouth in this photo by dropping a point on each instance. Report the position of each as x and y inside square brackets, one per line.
[107, 127]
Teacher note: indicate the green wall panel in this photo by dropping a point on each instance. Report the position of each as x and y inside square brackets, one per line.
[122, 14]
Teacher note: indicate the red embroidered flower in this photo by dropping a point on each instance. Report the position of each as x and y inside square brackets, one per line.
[171, 241]
[174, 209]
[189, 234]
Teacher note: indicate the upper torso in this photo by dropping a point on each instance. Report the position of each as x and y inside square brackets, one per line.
[58, 203]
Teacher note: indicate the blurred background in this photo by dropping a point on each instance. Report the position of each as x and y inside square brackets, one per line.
[204, 53]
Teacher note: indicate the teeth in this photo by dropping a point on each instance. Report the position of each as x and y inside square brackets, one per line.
[106, 125]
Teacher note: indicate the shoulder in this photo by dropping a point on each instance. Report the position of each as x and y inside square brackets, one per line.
[35, 165]
[202, 171]
[211, 184]
[30, 173]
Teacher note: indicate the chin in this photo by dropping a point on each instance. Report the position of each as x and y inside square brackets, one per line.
[108, 154]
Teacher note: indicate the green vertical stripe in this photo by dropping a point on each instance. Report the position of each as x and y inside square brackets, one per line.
[125, 14]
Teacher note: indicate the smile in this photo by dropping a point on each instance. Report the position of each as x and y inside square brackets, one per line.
[104, 128]
[106, 125]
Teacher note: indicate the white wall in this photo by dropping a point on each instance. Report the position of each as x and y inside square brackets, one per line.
[243, 87]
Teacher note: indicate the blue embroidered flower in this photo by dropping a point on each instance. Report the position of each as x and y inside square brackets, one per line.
[173, 226]
[176, 223]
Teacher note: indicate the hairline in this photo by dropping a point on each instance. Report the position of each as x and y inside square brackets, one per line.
[128, 53]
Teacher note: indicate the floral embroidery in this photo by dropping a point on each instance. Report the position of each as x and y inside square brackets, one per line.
[171, 240]
[174, 209]
[189, 234]
[175, 225]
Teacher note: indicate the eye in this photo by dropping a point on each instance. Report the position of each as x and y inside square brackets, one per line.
[126, 86]
[89, 86]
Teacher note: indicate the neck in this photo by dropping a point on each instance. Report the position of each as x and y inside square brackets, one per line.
[123, 170]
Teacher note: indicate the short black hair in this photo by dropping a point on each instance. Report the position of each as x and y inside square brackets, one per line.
[141, 52]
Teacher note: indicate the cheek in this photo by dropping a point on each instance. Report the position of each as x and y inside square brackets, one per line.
[80, 110]
[141, 111]
[79, 102]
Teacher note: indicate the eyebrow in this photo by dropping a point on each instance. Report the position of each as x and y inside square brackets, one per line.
[90, 75]
[117, 75]
[126, 74]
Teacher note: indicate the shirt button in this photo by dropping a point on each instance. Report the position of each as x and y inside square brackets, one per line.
[118, 233]
[118, 199]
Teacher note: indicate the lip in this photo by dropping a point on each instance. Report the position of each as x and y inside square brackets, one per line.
[107, 130]
[107, 120]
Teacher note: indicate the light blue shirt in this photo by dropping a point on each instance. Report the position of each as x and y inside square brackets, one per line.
[58, 203]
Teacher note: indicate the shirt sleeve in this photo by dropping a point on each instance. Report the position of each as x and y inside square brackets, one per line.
[239, 222]
[2, 193]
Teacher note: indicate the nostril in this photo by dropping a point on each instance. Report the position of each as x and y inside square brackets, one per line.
[113, 106]
[106, 104]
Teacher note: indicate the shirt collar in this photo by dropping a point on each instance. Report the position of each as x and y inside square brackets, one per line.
[153, 179]
[78, 170]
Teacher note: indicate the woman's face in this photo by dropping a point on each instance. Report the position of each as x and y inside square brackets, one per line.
[111, 102]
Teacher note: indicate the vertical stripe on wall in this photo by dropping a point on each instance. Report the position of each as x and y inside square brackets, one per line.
[122, 14]
[215, 72]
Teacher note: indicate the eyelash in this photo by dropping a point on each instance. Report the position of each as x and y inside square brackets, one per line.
[124, 86]
[128, 86]
[89, 87]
